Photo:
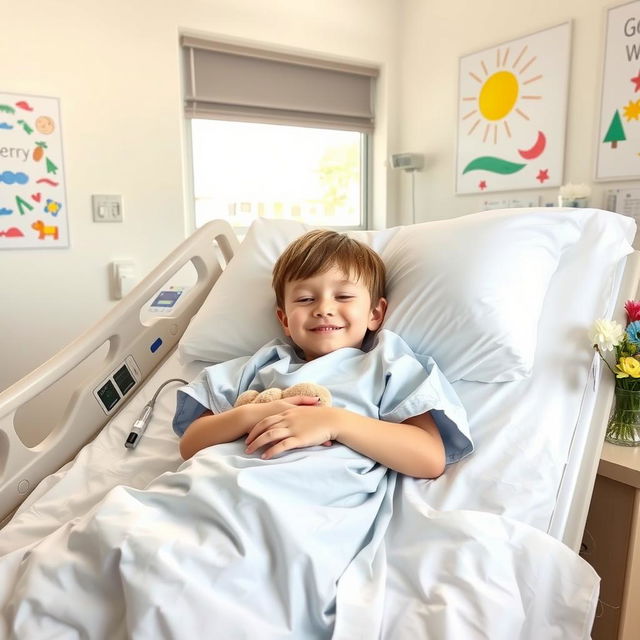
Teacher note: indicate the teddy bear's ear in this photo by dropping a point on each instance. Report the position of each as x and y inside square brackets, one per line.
[309, 389]
[268, 395]
[246, 398]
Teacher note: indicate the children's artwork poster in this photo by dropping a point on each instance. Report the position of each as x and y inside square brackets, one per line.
[33, 207]
[512, 111]
[619, 133]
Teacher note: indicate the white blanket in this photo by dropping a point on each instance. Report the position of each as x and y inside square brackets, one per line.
[320, 543]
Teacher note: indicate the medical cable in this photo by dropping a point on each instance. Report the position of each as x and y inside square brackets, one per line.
[140, 425]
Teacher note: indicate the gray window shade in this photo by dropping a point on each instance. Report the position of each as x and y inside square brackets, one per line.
[240, 83]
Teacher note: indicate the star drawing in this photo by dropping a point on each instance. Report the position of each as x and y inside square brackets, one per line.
[636, 81]
[543, 175]
[632, 110]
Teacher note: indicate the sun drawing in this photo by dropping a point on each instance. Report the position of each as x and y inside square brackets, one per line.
[503, 92]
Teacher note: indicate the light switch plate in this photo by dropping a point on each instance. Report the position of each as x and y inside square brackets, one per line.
[107, 208]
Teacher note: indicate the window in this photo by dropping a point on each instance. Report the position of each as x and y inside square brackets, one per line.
[242, 171]
[277, 135]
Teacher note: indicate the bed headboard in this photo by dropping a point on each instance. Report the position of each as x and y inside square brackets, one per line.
[130, 340]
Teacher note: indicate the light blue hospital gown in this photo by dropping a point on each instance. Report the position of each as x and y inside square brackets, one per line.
[388, 382]
[304, 534]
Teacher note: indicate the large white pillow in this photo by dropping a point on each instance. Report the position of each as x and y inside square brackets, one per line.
[468, 291]
[238, 316]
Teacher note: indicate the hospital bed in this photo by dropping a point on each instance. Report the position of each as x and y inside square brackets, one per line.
[537, 413]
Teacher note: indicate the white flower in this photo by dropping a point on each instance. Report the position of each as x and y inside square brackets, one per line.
[573, 191]
[607, 334]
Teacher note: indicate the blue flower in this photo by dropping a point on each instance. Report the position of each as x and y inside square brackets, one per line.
[633, 332]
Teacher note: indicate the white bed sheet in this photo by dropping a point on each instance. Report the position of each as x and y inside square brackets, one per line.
[523, 430]
[440, 546]
[230, 543]
[105, 463]
[514, 471]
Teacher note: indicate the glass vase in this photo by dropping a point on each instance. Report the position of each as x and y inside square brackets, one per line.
[624, 422]
[568, 201]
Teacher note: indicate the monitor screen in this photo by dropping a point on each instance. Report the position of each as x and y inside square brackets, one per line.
[166, 299]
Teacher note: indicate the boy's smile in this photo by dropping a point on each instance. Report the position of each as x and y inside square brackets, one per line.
[329, 311]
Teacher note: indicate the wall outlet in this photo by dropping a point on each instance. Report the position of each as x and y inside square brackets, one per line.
[107, 208]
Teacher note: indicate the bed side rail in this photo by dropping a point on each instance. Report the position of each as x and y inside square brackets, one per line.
[569, 524]
[21, 466]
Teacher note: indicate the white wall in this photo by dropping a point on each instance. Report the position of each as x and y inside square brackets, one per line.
[115, 67]
[434, 34]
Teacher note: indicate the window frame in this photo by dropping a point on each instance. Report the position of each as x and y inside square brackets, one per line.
[363, 120]
[366, 182]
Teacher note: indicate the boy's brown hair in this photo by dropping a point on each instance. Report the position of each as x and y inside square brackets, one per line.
[317, 251]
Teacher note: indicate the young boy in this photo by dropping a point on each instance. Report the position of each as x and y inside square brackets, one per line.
[330, 296]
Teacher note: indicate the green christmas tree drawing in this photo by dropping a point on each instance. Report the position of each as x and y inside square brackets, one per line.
[615, 133]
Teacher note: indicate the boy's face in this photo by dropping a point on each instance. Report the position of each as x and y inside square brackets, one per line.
[327, 312]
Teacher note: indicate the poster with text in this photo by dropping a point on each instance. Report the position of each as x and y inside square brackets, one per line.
[33, 207]
[618, 154]
[512, 110]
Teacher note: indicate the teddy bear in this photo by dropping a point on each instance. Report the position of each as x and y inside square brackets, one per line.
[301, 389]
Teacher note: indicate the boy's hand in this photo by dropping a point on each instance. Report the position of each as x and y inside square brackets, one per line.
[283, 404]
[293, 428]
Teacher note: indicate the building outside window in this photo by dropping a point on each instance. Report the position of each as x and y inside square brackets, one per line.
[245, 170]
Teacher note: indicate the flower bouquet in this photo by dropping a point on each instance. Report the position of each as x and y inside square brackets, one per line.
[608, 335]
[574, 195]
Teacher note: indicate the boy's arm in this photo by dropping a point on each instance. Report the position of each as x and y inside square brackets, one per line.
[210, 429]
[413, 447]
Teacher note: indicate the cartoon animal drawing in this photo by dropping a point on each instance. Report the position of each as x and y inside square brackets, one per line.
[45, 230]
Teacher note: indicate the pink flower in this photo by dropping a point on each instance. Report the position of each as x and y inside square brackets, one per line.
[632, 307]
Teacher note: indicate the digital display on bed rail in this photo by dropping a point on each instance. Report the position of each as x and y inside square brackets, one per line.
[166, 299]
[123, 379]
[108, 395]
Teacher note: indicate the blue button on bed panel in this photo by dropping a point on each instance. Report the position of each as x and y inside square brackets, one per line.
[156, 345]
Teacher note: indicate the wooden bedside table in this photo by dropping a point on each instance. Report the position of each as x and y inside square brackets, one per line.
[612, 542]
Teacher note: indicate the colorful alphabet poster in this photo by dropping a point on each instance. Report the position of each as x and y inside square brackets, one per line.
[33, 207]
[619, 133]
[512, 110]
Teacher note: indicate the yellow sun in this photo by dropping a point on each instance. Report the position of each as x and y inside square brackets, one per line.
[500, 93]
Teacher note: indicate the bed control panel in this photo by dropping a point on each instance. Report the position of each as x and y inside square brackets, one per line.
[114, 388]
[166, 300]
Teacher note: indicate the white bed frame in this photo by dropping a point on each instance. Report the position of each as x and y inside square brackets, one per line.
[574, 494]
[23, 467]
